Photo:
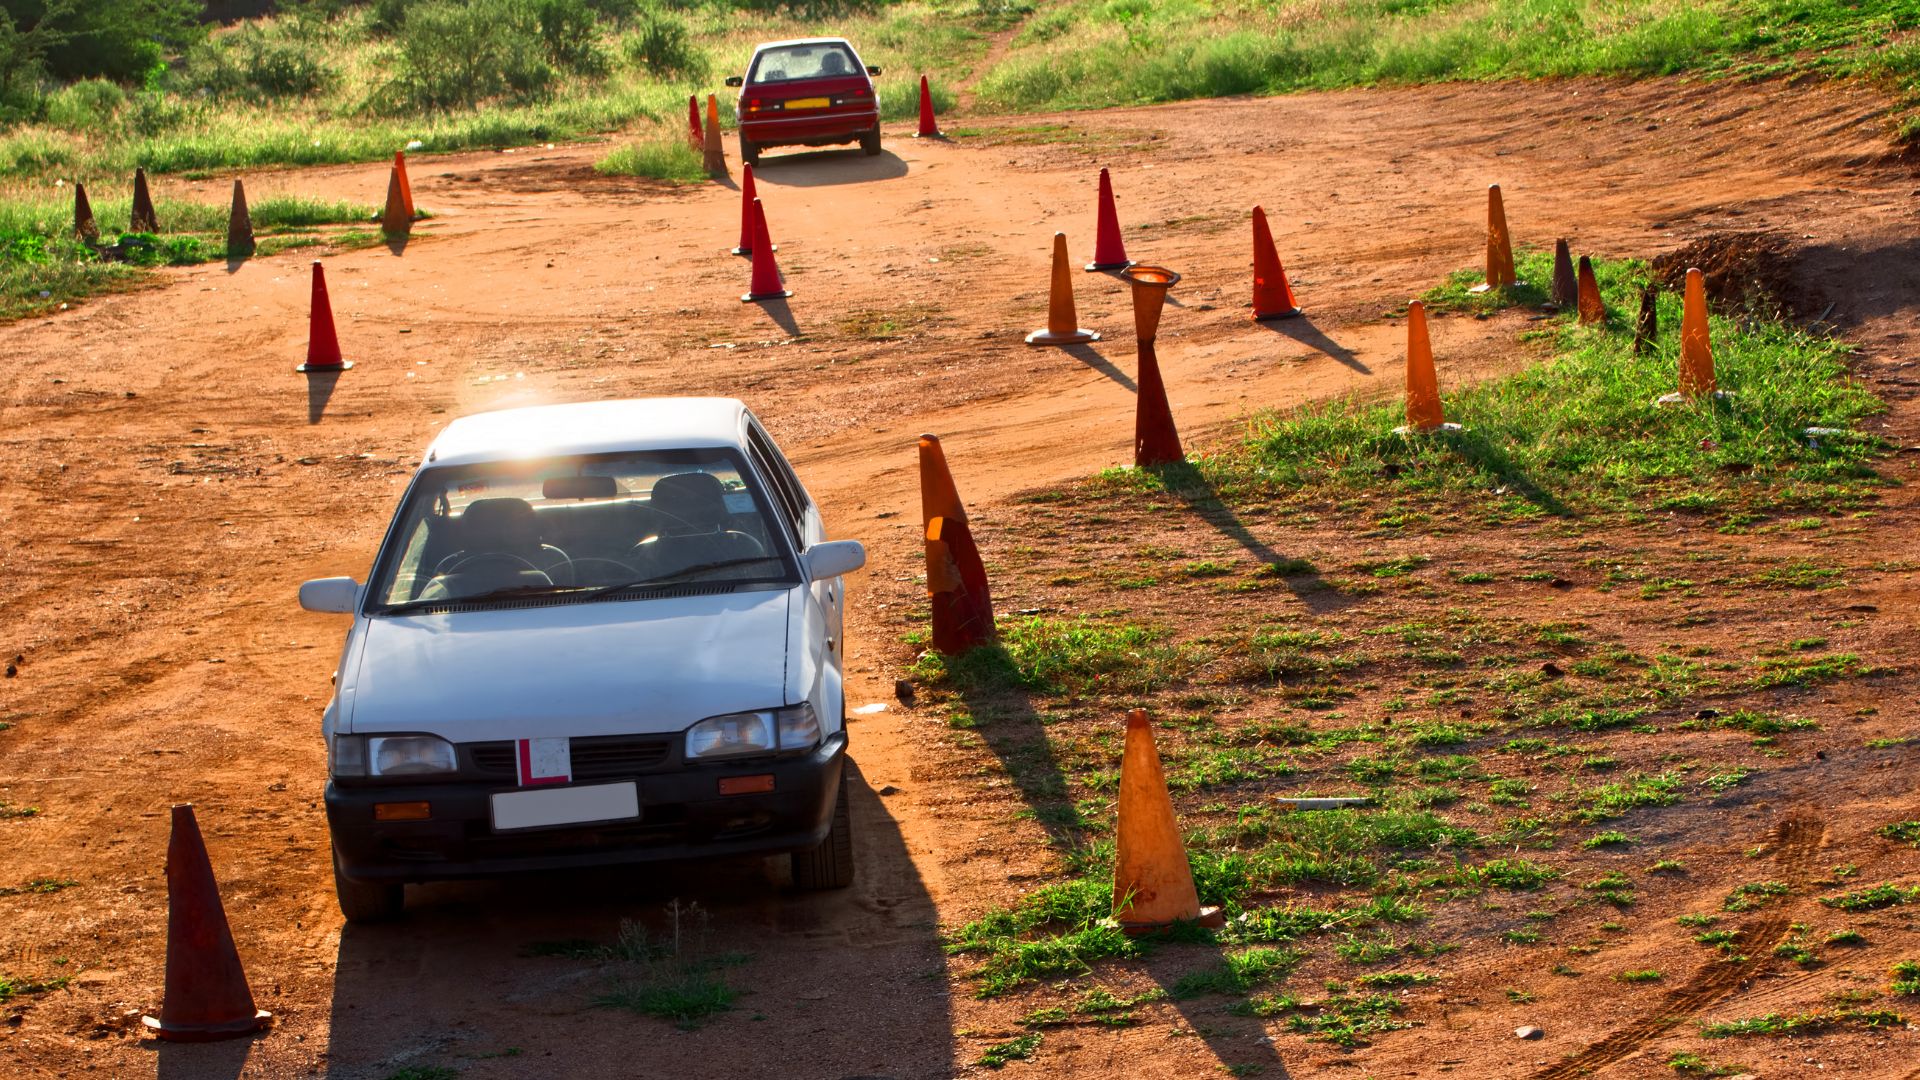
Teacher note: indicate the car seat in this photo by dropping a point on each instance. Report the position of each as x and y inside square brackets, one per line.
[692, 508]
[833, 64]
[498, 547]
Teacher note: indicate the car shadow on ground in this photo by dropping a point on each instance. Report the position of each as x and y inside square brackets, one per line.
[502, 976]
[201, 1061]
[825, 168]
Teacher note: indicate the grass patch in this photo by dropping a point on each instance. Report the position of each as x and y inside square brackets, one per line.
[1905, 832]
[670, 977]
[1020, 1049]
[1239, 972]
[1079, 657]
[1873, 898]
[662, 155]
[11, 987]
[1801, 1023]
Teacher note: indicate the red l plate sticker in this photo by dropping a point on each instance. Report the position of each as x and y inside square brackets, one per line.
[544, 761]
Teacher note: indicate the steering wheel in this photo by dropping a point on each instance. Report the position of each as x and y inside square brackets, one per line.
[454, 562]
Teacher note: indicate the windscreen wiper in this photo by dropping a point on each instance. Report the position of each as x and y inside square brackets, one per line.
[514, 592]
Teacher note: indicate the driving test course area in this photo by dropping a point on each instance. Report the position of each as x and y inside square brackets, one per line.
[169, 482]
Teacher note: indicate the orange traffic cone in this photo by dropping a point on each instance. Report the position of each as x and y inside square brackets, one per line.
[1272, 295]
[748, 196]
[239, 225]
[1109, 250]
[1423, 388]
[84, 226]
[1696, 345]
[323, 345]
[1155, 441]
[406, 186]
[715, 157]
[928, 129]
[694, 137]
[1152, 883]
[1063, 325]
[1499, 244]
[207, 997]
[956, 579]
[1566, 289]
[1592, 308]
[144, 220]
[766, 284]
[396, 221]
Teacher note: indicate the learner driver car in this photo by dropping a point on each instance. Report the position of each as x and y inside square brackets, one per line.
[597, 633]
[806, 92]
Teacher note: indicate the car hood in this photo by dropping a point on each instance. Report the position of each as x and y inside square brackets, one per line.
[606, 668]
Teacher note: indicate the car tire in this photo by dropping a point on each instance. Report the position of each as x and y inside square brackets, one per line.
[367, 901]
[870, 142]
[829, 864]
[749, 152]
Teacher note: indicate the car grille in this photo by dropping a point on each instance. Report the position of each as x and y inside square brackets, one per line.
[602, 757]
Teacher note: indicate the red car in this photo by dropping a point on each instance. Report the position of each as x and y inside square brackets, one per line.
[809, 92]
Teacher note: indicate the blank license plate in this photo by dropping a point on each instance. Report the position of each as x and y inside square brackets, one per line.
[565, 806]
[809, 103]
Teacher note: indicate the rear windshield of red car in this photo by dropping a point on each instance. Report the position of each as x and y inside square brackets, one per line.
[791, 62]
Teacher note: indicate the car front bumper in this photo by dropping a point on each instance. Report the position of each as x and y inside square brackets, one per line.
[682, 816]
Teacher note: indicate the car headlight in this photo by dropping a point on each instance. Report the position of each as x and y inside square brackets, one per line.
[391, 755]
[764, 732]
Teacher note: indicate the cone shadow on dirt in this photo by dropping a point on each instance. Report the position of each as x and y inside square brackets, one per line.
[201, 1061]
[1186, 483]
[1087, 355]
[1238, 1043]
[319, 391]
[828, 168]
[397, 242]
[782, 315]
[1301, 329]
[480, 968]
[1007, 724]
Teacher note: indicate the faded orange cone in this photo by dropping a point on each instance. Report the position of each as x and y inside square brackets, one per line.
[395, 221]
[1696, 345]
[1063, 324]
[1152, 882]
[715, 157]
[144, 220]
[956, 579]
[406, 186]
[1499, 244]
[1423, 387]
[1155, 440]
[1592, 308]
[239, 225]
[207, 997]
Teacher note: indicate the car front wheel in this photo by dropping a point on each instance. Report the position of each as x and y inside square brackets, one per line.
[829, 865]
[749, 151]
[367, 901]
[870, 141]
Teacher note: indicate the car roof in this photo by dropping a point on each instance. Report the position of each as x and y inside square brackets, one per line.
[765, 45]
[590, 427]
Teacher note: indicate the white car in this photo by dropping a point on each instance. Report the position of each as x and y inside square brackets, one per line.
[597, 633]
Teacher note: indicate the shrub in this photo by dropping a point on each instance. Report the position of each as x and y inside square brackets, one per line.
[88, 105]
[663, 46]
[457, 55]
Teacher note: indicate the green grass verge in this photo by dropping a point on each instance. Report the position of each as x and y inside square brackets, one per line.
[663, 155]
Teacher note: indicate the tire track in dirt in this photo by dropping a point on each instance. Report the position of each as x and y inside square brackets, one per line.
[1795, 842]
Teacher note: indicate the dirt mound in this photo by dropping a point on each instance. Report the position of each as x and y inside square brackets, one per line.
[1746, 272]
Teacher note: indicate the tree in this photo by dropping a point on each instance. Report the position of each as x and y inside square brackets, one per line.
[114, 39]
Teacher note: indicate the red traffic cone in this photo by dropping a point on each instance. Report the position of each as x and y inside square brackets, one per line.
[207, 997]
[928, 129]
[1152, 881]
[323, 346]
[694, 135]
[766, 284]
[1155, 442]
[1272, 295]
[956, 579]
[144, 219]
[406, 186]
[1109, 251]
[748, 196]
[396, 220]
[1587, 293]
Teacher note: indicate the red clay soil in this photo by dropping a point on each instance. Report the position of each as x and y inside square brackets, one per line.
[167, 481]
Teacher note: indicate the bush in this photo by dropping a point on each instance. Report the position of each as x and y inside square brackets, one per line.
[122, 40]
[253, 63]
[570, 30]
[455, 55]
[89, 105]
[663, 46]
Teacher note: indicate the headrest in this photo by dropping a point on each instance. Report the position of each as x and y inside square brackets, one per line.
[499, 523]
[696, 498]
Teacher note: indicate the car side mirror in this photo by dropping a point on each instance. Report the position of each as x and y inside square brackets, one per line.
[735, 80]
[836, 557]
[873, 70]
[338, 595]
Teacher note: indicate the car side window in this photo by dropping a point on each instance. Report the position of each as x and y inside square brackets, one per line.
[786, 493]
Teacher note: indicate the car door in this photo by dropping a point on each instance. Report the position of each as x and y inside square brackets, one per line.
[824, 618]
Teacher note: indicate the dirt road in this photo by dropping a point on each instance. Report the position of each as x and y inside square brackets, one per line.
[167, 481]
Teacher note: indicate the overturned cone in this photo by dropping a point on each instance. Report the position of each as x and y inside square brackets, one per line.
[1423, 387]
[1499, 244]
[956, 579]
[1696, 345]
[1646, 328]
[239, 225]
[1063, 324]
[1152, 883]
[207, 997]
[1592, 308]
[84, 226]
[144, 219]
[715, 157]
[1566, 290]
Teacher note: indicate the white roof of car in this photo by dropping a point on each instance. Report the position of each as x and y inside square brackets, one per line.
[765, 45]
[590, 427]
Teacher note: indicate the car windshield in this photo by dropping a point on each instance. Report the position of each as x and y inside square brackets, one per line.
[789, 62]
[578, 526]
